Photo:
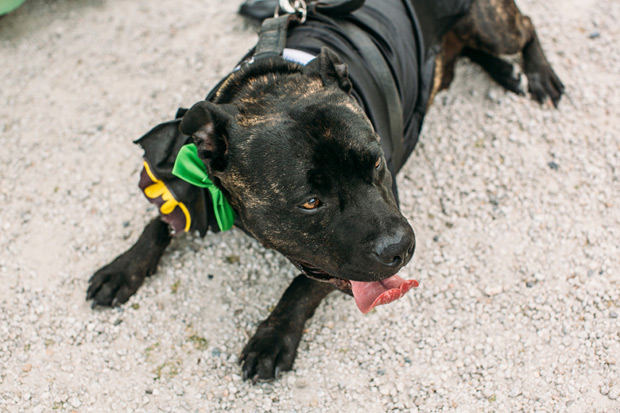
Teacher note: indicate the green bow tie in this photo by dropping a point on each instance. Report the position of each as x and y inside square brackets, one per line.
[189, 167]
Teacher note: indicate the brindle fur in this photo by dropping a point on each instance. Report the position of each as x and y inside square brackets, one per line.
[492, 28]
[489, 29]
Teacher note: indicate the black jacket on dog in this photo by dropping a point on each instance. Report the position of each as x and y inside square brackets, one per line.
[384, 34]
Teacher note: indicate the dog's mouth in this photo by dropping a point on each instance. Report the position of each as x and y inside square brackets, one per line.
[367, 294]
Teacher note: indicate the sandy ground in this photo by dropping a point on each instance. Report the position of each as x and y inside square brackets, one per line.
[516, 209]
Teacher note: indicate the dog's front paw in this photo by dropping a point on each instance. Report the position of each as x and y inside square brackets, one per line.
[272, 350]
[113, 284]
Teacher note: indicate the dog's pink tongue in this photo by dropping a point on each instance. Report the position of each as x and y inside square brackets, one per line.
[371, 294]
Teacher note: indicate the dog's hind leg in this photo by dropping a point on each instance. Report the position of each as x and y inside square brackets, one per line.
[116, 282]
[445, 63]
[500, 70]
[274, 345]
[495, 27]
[543, 83]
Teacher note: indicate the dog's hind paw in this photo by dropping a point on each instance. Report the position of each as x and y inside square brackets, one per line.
[545, 86]
[271, 350]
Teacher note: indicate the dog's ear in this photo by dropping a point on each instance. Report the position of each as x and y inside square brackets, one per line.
[330, 69]
[209, 124]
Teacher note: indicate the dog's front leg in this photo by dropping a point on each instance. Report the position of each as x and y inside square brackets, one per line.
[274, 345]
[119, 280]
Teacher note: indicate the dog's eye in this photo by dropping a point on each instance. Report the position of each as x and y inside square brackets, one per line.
[312, 203]
[378, 163]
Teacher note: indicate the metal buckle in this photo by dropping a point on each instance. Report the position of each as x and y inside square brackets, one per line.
[292, 7]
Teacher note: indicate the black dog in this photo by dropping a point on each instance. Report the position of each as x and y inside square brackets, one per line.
[295, 148]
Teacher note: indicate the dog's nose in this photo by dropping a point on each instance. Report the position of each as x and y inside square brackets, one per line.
[395, 250]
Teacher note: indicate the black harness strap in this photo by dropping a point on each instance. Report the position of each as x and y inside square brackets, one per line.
[271, 43]
[264, 9]
[272, 36]
[387, 88]
[338, 8]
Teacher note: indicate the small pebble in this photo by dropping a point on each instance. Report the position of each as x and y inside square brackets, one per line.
[75, 402]
[604, 390]
[493, 290]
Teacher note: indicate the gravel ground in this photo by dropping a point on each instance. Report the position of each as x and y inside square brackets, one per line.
[515, 208]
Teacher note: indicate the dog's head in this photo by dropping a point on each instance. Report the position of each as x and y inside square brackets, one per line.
[300, 162]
